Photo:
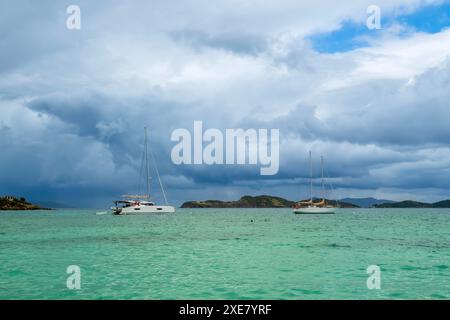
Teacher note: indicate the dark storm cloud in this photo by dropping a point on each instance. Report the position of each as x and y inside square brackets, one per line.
[115, 122]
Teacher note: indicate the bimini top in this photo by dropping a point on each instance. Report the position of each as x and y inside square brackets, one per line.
[145, 203]
[135, 196]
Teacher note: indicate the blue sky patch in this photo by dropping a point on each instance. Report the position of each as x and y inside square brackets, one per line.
[349, 37]
[352, 35]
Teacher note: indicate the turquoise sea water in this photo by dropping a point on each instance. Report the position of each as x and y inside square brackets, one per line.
[226, 254]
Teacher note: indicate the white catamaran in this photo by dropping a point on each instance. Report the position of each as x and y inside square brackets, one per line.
[311, 207]
[141, 204]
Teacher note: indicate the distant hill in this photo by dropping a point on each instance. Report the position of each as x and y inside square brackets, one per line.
[366, 202]
[13, 203]
[404, 204]
[415, 204]
[263, 201]
[442, 204]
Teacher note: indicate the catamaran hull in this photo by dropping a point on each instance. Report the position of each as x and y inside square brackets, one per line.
[315, 210]
[136, 210]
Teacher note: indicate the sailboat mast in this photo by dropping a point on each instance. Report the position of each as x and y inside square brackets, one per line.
[323, 182]
[310, 176]
[147, 173]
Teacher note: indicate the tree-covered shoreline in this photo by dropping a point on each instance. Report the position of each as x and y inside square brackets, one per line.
[14, 203]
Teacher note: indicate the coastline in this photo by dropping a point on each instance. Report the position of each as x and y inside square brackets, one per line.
[12, 203]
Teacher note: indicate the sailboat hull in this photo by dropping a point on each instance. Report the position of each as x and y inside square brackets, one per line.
[315, 210]
[137, 210]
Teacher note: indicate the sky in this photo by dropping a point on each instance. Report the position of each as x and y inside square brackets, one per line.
[374, 102]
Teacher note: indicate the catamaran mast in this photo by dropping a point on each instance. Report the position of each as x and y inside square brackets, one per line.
[310, 177]
[323, 182]
[155, 168]
[147, 173]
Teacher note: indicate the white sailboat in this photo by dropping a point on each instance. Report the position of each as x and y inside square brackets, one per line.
[311, 207]
[141, 204]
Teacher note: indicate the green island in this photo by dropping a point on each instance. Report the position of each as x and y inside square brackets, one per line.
[13, 203]
[414, 204]
[263, 201]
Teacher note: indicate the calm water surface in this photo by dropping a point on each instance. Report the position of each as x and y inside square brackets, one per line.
[226, 254]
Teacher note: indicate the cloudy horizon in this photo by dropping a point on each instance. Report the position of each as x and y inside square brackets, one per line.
[374, 103]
